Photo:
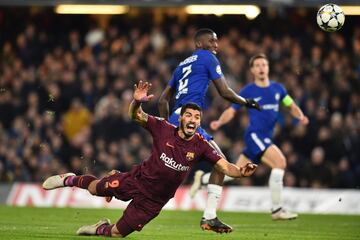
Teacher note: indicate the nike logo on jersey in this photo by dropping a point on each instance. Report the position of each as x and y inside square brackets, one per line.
[257, 99]
[169, 145]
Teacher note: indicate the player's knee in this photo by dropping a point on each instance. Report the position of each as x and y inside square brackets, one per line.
[280, 163]
[92, 187]
[115, 232]
[216, 177]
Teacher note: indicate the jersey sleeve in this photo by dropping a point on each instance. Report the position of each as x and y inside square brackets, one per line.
[155, 125]
[209, 153]
[285, 98]
[213, 66]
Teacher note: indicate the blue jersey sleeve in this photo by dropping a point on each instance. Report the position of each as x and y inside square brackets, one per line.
[213, 66]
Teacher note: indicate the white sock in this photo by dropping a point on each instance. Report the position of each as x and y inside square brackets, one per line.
[205, 178]
[214, 194]
[276, 187]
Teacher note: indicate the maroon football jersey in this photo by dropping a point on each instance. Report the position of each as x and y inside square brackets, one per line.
[171, 160]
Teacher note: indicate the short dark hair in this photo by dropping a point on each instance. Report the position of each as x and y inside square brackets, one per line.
[202, 31]
[190, 105]
[257, 56]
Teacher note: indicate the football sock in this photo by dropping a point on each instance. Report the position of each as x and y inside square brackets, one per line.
[205, 178]
[104, 229]
[82, 181]
[276, 187]
[214, 194]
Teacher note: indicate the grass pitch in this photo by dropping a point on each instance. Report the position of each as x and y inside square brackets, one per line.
[62, 223]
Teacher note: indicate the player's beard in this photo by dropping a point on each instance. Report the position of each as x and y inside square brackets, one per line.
[182, 128]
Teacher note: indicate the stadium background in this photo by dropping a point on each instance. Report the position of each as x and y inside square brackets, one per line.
[66, 83]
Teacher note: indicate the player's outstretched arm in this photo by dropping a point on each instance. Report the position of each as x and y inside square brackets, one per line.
[164, 100]
[224, 118]
[140, 95]
[296, 112]
[232, 170]
[226, 92]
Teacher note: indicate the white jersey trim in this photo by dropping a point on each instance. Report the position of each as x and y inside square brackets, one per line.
[258, 142]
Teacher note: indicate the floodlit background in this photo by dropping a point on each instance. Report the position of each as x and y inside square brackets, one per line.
[66, 82]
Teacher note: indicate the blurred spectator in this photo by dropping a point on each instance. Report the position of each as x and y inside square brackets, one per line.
[76, 123]
[317, 173]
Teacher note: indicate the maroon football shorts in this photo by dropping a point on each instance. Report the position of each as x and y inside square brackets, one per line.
[140, 210]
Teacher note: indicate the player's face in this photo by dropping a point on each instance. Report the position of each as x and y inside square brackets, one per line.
[208, 42]
[190, 122]
[260, 69]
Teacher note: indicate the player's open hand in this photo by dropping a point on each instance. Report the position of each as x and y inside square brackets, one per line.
[141, 92]
[251, 103]
[214, 125]
[248, 169]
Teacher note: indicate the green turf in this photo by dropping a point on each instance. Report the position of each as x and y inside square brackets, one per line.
[52, 223]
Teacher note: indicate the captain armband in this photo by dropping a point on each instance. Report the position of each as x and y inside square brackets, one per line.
[287, 101]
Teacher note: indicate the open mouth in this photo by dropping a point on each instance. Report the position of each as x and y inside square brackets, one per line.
[191, 126]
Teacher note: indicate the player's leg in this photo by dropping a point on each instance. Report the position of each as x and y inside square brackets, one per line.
[210, 220]
[210, 210]
[201, 178]
[71, 180]
[115, 184]
[275, 159]
[216, 178]
[140, 211]
[102, 227]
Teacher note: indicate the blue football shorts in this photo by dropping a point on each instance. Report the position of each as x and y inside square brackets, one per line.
[256, 145]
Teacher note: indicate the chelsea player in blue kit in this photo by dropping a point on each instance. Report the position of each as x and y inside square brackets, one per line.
[258, 135]
[189, 83]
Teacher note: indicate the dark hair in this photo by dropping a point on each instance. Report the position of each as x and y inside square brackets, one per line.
[190, 105]
[202, 31]
[257, 56]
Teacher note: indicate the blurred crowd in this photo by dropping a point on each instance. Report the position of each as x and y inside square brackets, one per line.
[66, 84]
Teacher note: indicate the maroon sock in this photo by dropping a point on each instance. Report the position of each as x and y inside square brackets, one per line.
[82, 181]
[104, 229]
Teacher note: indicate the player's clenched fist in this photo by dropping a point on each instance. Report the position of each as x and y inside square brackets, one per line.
[248, 169]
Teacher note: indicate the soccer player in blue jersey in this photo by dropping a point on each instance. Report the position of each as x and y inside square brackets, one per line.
[189, 83]
[258, 136]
